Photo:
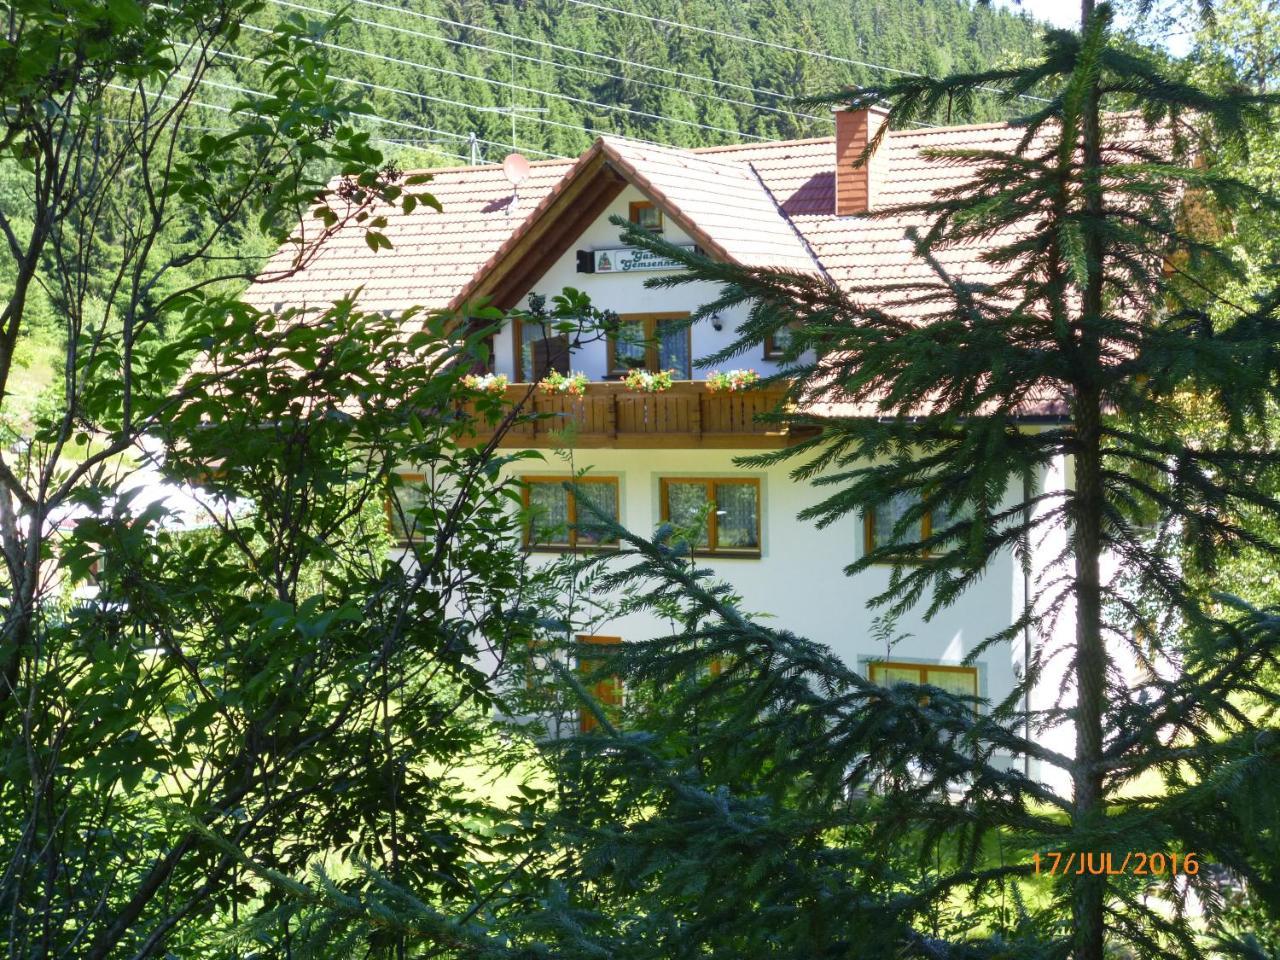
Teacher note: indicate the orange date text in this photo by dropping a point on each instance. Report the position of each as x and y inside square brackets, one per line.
[1111, 864]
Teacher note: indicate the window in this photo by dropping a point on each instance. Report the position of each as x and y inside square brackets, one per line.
[606, 691]
[644, 214]
[732, 526]
[651, 341]
[406, 499]
[552, 512]
[879, 524]
[776, 343]
[960, 681]
[539, 350]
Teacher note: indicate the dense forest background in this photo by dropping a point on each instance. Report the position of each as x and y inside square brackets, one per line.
[572, 69]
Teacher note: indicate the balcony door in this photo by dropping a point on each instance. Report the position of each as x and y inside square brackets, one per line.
[539, 351]
[652, 341]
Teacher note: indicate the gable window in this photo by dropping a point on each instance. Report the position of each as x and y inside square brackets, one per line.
[552, 514]
[651, 341]
[732, 526]
[606, 691]
[645, 215]
[539, 351]
[879, 524]
[956, 680]
[405, 500]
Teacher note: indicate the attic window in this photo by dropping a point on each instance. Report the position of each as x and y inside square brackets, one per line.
[645, 215]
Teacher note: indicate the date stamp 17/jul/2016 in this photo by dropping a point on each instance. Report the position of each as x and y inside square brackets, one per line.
[1108, 863]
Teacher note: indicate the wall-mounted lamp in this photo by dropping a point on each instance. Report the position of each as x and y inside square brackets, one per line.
[716, 323]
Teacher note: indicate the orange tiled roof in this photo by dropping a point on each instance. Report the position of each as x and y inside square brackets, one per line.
[767, 204]
[434, 253]
[860, 251]
[723, 198]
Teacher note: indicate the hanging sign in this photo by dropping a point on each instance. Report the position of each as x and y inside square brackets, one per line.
[632, 260]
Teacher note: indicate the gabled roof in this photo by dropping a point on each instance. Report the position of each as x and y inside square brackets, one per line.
[434, 252]
[767, 204]
[723, 205]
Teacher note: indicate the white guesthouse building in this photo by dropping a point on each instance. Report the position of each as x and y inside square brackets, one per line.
[800, 205]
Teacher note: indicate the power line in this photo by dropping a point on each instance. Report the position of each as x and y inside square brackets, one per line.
[515, 86]
[576, 128]
[584, 126]
[771, 44]
[585, 53]
[413, 145]
[222, 109]
[564, 66]
[398, 123]
[743, 38]
[459, 136]
[374, 117]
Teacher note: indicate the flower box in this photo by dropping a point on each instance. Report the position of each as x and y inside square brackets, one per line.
[732, 381]
[494, 384]
[643, 381]
[572, 384]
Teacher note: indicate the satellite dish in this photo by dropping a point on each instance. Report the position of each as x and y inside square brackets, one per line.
[516, 168]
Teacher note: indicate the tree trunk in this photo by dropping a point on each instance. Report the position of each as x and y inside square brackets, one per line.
[1091, 653]
[1091, 674]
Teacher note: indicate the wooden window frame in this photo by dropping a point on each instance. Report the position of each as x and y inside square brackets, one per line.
[924, 669]
[711, 549]
[615, 699]
[633, 214]
[771, 349]
[869, 538]
[517, 349]
[517, 333]
[390, 508]
[526, 483]
[650, 341]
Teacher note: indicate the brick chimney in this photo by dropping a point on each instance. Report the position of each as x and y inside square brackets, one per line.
[856, 185]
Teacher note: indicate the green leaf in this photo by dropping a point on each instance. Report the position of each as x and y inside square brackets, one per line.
[126, 12]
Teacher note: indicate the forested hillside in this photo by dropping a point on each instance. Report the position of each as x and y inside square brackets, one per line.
[672, 71]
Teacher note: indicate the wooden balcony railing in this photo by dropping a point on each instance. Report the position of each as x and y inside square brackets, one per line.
[610, 415]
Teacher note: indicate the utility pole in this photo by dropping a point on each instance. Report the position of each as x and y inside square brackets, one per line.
[511, 107]
[514, 111]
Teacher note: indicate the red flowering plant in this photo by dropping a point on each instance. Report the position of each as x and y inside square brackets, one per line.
[646, 382]
[718, 382]
[574, 384]
[491, 383]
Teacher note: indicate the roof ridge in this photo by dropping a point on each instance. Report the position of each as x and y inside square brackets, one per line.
[761, 145]
[460, 167]
[804, 241]
[952, 128]
[686, 152]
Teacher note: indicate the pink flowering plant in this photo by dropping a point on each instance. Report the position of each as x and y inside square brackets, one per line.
[718, 382]
[574, 384]
[494, 384]
[646, 382]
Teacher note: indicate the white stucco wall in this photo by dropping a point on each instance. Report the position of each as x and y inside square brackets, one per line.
[798, 581]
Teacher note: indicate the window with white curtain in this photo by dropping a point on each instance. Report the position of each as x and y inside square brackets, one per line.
[724, 511]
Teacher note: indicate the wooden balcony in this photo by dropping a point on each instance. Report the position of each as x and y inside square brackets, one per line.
[610, 415]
